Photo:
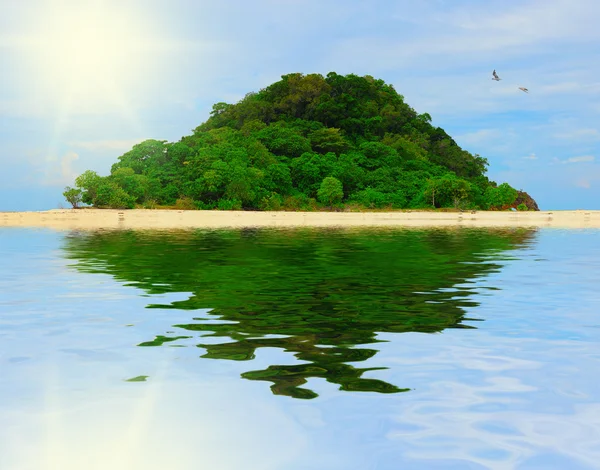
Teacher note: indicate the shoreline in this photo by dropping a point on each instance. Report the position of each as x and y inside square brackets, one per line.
[93, 219]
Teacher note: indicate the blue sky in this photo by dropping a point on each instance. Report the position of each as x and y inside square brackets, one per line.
[84, 80]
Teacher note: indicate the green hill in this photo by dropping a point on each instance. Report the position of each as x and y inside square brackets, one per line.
[306, 142]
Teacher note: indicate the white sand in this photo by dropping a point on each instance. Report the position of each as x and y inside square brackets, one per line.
[67, 219]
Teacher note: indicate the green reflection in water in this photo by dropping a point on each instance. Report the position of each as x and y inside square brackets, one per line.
[139, 378]
[317, 294]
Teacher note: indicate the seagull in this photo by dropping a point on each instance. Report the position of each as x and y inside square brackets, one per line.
[522, 88]
[496, 77]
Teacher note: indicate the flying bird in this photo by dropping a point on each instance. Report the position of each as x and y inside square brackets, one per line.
[522, 88]
[496, 77]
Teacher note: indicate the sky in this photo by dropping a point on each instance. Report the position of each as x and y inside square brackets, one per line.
[82, 81]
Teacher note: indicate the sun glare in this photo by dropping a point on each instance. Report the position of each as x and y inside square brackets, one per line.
[87, 57]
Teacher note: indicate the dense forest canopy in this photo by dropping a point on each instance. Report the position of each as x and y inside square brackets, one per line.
[306, 142]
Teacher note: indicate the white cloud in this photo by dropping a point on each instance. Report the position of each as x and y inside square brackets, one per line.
[569, 87]
[529, 22]
[584, 158]
[58, 171]
[580, 159]
[485, 28]
[583, 183]
[579, 134]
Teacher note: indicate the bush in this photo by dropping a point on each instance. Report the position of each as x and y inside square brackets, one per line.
[311, 205]
[370, 198]
[299, 202]
[230, 205]
[205, 206]
[397, 199]
[185, 203]
[150, 204]
[112, 195]
[292, 203]
[522, 207]
[271, 202]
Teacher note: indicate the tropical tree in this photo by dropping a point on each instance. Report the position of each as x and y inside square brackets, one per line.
[447, 191]
[500, 196]
[73, 196]
[88, 182]
[331, 191]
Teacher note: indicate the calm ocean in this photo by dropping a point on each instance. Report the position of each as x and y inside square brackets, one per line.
[300, 349]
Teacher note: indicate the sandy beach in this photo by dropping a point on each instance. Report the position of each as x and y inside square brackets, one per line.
[67, 219]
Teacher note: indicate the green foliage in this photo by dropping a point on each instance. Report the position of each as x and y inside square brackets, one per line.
[185, 203]
[274, 148]
[447, 191]
[299, 202]
[110, 194]
[272, 202]
[73, 196]
[328, 139]
[88, 182]
[309, 170]
[374, 199]
[331, 191]
[522, 207]
[284, 141]
[501, 196]
[229, 204]
[137, 186]
[150, 204]
[369, 198]
[150, 153]
[139, 378]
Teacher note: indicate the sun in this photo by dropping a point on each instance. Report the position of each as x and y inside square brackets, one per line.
[86, 56]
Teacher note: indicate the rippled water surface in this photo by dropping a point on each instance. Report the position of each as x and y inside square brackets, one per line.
[300, 349]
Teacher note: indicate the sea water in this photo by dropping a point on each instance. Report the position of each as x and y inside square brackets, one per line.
[300, 349]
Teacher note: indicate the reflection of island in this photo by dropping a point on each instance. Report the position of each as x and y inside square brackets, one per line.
[314, 293]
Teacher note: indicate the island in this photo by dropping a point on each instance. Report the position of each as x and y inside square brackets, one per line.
[305, 143]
